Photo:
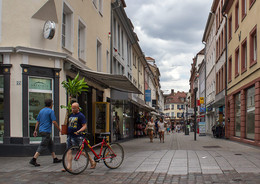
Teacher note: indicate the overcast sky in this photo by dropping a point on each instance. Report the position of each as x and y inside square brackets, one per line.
[170, 31]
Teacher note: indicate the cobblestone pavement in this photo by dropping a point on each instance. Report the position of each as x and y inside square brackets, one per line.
[179, 160]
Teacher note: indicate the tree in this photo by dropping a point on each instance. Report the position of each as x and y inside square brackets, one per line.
[73, 88]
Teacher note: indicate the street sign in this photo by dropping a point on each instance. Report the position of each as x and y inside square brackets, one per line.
[201, 100]
[190, 111]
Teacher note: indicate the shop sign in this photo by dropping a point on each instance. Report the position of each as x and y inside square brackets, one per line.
[201, 100]
[40, 84]
[148, 95]
[190, 110]
[202, 128]
[202, 109]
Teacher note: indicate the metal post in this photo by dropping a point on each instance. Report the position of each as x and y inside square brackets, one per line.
[195, 112]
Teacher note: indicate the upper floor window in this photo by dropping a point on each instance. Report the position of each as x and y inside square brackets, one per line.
[251, 2]
[253, 46]
[100, 7]
[99, 59]
[81, 40]
[237, 62]
[95, 3]
[230, 69]
[243, 8]
[237, 16]
[172, 106]
[67, 26]
[230, 28]
[244, 56]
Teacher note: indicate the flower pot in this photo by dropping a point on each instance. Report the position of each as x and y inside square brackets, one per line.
[64, 129]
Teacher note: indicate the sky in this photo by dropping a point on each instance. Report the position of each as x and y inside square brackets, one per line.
[170, 31]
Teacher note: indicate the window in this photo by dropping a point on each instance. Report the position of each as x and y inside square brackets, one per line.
[237, 62]
[237, 115]
[118, 39]
[114, 67]
[217, 82]
[230, 28]
[95, 3]
[100, 7]
[129, 63]
[81, 40]
[250, 113]
[166, 107]
[217, 51]
[172, 106]
[244, 56]
[114, 31]
[1, 108]
[67, 27]
[172, 115]
[108, 63]
[251, 2]
[243, 2]
[99, 59]
[39, 90]
[253, 46]
[237, 16]
[122, 40]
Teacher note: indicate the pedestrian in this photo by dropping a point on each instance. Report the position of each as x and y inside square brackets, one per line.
[172, 128]
[156, 128]
[45, 119]
[161, 126]
[150, 128]
[76, 124]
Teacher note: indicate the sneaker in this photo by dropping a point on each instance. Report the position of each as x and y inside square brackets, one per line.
[33, 162]
[56, 160]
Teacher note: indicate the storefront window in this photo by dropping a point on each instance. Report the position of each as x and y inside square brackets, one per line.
[237, 115]
[39, 90]
[1, 108]
[250, 113]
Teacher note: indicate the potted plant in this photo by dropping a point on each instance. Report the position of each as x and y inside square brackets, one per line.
[73, 88]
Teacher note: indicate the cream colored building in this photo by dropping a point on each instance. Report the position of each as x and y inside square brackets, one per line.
[243, 89]
[35, 60]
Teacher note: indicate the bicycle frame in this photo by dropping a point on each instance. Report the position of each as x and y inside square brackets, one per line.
[98, 156]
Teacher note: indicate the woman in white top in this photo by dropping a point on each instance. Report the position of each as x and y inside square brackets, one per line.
[150, 129]
[161, 126]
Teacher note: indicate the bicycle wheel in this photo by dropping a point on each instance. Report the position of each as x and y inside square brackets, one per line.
[73, 161]
[114, 156]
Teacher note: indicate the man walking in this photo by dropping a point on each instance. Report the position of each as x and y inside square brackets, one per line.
[45, 120]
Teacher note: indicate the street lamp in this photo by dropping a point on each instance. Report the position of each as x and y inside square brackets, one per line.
[195, 89]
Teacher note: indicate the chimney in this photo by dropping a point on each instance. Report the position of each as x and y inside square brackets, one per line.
[172, 91]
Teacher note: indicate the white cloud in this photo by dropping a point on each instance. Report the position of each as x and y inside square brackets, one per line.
[170, 31]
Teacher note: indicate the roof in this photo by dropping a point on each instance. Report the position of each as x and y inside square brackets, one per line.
[176, 97]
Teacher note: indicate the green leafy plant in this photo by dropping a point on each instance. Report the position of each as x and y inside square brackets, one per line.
[73, 88]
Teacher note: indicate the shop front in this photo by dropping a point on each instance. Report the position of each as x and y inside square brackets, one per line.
[243, 114]
[123, 119]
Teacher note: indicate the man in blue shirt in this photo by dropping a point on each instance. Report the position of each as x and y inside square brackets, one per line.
[45, 120]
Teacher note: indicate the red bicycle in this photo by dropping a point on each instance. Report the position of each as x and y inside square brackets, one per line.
[75, 159]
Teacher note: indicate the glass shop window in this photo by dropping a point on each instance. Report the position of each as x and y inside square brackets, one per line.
[39, 90]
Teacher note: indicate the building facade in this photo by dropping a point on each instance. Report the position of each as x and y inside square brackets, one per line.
[209, 38]
[57, 39]
[174, 107]
[243, 88]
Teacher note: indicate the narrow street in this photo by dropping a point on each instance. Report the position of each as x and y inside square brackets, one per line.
[179, 160]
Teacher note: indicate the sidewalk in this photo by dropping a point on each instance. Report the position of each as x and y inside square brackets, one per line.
[179, 156]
